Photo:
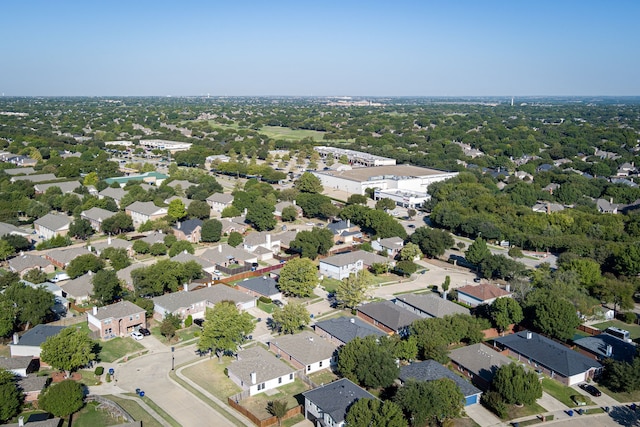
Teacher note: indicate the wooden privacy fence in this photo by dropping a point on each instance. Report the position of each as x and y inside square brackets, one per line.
[267, 421]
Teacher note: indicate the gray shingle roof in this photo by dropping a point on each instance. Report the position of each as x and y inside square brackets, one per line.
[12, 229]
[306, 347]
[27, 261]
[221, 198]
[548, 353]
[97, 214]
[35, 178]
[31, 383]
[114, 193]
[146, 208]
[65, 186]
[53, 221]
[20, 171]
[336, 397]
[432, 305]
[65, 256]
[19, 362]
[389, 314]
[263, 285]
[186, 257]
[39, 334]
[120, 309]
[621, 351]
[79, 287]
[348, 258]
[479, 359]
[346, 329]
[213, 294]
[188, 226]
[265, 365]
[430, 370]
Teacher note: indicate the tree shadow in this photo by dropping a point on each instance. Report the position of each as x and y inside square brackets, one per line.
[625, 416]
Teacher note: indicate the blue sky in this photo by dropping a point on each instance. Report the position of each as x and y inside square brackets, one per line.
[359, 48]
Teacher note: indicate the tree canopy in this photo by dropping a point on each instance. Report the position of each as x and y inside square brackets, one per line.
[298, 277]
[291, 318]
[69, 350]
[225, 328]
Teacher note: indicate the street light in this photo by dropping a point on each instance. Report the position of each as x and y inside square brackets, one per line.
[173, 359]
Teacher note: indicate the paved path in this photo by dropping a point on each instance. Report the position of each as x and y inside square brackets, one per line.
[550, 403]
[482, 416]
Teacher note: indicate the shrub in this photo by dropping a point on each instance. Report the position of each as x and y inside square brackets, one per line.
[629, 317]
[493, 402]
[99, 370]
[188, 321]
[265, 300]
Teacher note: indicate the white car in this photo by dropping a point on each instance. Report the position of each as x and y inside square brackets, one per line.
[136, 335]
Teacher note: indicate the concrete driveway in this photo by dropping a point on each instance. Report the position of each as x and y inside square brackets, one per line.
[603, 400]
[482, 416]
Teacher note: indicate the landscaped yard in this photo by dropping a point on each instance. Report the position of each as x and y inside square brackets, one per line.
[267, 308]
[621, 397]
[91, 416]
[184, 334]
[136, 411]
[116, 348]
[323, 377]
[210, 376]
[634, 329]
[562, 392]
[291, 393]
[515, 412]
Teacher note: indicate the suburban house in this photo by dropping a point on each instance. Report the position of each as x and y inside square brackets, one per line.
[257, 370]
[113, 193]
[100, 246]
[116, 320]
[79, 289]
[11, 229]
[61, 303]
[124, 275]
[263, 286]
[328, 405]
[52, 225]
[183, 184]
[342, 330]
[206, 265]
[282, 205]
[263, 244]
[189, 230]
[391, 245]
[605, 346]
[484, 293]
[26, 262]
[479, 362]
[340, 266]
[154, 237]
[305, 350]
[219, 201]
[20, 365]
[31, 387]
[545, 355]
[20, 171]
[229, 226]
[65, 186]
[225, 255]
[29, 343]
[430, 370]
[96, 216]
[196, 302]
[186, 202]
[388, 316]
[286, 238]
[141, 212]
[429, 305]
[35, 178]
[62, 257]
[343, 231]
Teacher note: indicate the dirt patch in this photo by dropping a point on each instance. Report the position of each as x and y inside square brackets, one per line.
[57, 377]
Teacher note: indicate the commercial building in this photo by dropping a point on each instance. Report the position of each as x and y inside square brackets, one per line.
[355, 158]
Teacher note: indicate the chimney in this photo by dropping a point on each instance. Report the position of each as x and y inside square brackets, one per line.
[220, 248]
[268, 238]
[611, 200]
[179, 225]
[244, 212]
[352, 320]
[311, 339]
[109, 240]
[294, 202]
[21, 422]
[253, 377]
[348, 223]
[185, 287]
[95, 310]
[15, 338]
[609, 350]
[90, 273]
[529, 335]
[508, 287]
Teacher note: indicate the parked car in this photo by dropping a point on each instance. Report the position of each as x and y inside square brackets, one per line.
[278, 303]
[136, 335]
[144, 331]
[592, 390]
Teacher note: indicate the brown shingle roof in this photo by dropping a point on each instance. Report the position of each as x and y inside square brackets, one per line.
[484, 291]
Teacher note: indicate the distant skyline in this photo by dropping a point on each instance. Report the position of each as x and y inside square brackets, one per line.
[328, 48]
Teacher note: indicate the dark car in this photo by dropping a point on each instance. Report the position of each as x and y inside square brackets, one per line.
[278, 303]
[593, 391]
[144, 331]
[198, 322]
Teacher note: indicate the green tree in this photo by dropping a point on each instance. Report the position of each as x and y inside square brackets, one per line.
[310, 244]
[169, 325]
[298, 277]
[433, 243]
[504, 312]
[10, 396]
[106, 286]
[141, 247]
[118, 223]
[91, 179]
[515, 252]
[230, 212]
[587, 269]
[622, 376]
[385, 204]
[277, 408]
[33, 305]
[406, 268]
[235, 239]
[352, 290]
[291, 318]
[62, 399]
[446, 284]
[357, 199]
[199, 209]
[410, 252]
[308, 183]
[430, 402]
[6, 250]
[80, 229]
[516, 385]
[368, 362]
[68, 350]
[260, 215]
[551, 314]
[36, 276]
[477, 252]
[83, 264]
[118, 257]
[181, 246]
[7, 316]
[176, 209]
[225, 328]
[375, 413]
[289, 214]
[158, 249]
[211, 230]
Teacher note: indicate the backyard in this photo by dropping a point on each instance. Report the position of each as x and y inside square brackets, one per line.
[634, 329]
[291, 393]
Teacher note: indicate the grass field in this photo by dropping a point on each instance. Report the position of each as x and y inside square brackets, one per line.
[562, 392]
[279, 132]
[514, 412]
[210, 376]
[116, 348]
[621, 397]
[90, 416]
[136, 411]
[634, 329]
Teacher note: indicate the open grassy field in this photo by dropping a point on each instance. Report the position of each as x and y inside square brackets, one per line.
[279, 132]
[634, 329]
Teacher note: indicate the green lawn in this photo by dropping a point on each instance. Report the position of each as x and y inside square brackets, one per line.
[291, 393]
[634, 329]
[562, 392]
[621, 396]
[514, 412]
[267, 308]
[136, 411]
[115, 348]
[329, 284]
[182, 335]
[210, 376]
[90, 416]
[323, 377]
